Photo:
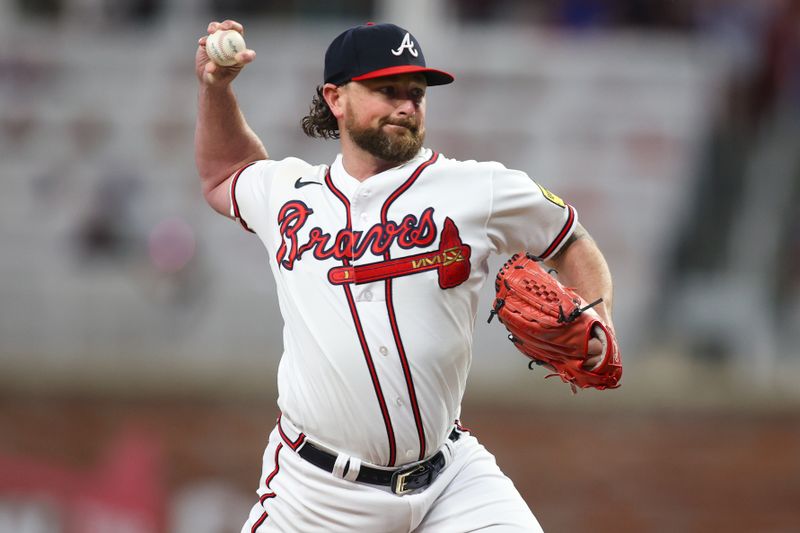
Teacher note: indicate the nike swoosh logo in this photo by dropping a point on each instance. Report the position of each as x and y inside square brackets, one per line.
[300, 183]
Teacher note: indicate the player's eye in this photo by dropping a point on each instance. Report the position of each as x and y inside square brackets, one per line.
[388, 90]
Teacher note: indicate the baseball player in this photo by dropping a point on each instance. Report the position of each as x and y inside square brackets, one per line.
[378, 259]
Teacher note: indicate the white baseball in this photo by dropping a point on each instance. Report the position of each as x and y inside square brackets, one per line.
[223, 45]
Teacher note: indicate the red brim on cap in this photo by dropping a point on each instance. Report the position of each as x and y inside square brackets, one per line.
[434, 77]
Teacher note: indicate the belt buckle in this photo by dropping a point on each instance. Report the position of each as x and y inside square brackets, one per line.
[400, 480]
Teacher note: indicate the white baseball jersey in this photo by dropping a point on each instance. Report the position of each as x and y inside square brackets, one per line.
[378, 286]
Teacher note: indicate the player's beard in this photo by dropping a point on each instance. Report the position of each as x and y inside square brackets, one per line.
[396, 147]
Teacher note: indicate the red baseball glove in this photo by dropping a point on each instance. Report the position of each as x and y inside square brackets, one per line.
[552, 325]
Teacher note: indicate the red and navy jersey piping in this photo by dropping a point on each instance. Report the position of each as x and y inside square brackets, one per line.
[393, 315]
[561, 234]
[236, 213]
[362, 336]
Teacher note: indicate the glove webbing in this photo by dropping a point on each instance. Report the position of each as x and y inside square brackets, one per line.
[575, 312]
[562, 318]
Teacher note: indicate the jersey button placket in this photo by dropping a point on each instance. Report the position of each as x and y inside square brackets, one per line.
[361, 216]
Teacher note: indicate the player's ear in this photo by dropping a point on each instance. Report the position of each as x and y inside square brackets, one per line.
[335, 97]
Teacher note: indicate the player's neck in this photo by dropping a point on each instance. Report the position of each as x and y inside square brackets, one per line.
[360, 164]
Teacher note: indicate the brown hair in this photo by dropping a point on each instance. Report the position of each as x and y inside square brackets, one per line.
[320, 121]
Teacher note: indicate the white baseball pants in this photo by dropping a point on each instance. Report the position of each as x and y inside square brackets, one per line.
[470, 494]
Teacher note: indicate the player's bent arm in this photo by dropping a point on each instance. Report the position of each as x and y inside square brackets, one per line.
[223, 140]
[224, 143]
[581, 265]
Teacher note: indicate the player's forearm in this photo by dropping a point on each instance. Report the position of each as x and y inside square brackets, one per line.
[223, 140]
[582, 266]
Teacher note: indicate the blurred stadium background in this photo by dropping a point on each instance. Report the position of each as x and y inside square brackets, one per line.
[139, 336]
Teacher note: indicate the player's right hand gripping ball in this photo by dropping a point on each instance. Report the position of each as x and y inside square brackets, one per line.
[552, 325]
[223, 45]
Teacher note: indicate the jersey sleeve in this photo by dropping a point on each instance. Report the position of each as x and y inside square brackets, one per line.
[249, 194]
[526, 216]
[255, 186]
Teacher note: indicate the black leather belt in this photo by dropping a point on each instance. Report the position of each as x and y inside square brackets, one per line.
[401, 480]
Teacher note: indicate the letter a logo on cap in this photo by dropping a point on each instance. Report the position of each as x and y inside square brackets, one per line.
[407, 43]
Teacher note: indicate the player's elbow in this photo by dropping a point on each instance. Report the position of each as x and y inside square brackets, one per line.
[216, 195]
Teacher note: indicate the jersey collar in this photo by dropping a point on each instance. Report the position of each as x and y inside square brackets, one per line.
[350, 186]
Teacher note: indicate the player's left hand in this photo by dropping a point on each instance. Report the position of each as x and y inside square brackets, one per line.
[555, 327]
[594, 349]
[594, 353]
[209, 72]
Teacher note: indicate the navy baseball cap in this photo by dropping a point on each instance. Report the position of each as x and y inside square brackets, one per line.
[376, 50]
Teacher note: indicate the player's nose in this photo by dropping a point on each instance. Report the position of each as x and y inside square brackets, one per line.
[406, 106]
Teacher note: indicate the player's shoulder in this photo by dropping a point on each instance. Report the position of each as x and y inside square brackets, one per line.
[493, 173]
[469, 164]
[296, 167]
[287, 169]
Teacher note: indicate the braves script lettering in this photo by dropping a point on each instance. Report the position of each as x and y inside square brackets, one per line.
[410, 232]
